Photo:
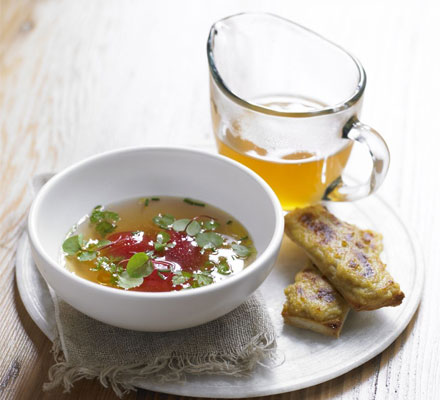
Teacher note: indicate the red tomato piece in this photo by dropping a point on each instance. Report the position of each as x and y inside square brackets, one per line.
[125, 244]
[185, 253]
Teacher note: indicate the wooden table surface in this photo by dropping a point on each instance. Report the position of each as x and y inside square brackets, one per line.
[80, 77]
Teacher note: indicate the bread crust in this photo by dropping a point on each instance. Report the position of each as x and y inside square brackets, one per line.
[346, 255]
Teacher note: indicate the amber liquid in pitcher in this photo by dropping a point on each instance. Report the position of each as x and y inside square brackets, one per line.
[299, 178]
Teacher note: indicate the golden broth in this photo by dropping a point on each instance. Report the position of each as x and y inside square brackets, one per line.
[136, 217]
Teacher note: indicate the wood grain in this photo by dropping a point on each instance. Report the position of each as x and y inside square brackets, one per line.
[80, 77]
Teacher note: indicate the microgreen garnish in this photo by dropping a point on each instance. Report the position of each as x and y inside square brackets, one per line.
[181, 224]
[104, 221]
[193, 228]
[210, 225]
[139, 266]
[125, 281]
[87, 255]
[109, 264]
[241, 251]
[83, 250]
[194, 202]
[201, 279]
[162, 240]
[164, 221]
[73, 244]
[209, 240]
[181, 277]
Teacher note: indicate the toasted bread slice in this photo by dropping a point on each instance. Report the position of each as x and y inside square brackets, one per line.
[346, 255]
[313, 303]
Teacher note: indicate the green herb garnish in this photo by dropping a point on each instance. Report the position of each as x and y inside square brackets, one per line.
[155, 198]
[84, 251]
[181, 224]
[104, 221]
[125, 281]
[209, 240]
[194, 202]
[229, 222]
[193, 228]
[201, 279]
[73, 244]
[87, 255]
[146, 201]
[162, 241]
[164, 221]
[181, 277]
[210, 225]
[241, 251]
[139, 266]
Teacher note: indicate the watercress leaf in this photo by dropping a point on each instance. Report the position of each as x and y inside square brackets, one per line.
[72, 245]
[210, 225]
[104, 228]
[111, 215]
[181, 224]
[102, 243]
[138, 265]
[193, 202]
[203, 279]
[164, 221]
[163, 237]
[179, 280]
[126, 281]
[240, 250]
[209, 240]
[96, 215]
[193, 228]
[87, 255]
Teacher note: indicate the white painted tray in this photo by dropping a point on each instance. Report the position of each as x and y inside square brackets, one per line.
[309, 358]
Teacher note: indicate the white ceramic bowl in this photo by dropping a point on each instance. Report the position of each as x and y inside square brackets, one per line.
[138, 172]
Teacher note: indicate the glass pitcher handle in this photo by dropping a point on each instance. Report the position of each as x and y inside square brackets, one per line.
[380, 155]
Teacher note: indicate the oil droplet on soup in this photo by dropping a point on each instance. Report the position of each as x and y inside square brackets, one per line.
[157, 244]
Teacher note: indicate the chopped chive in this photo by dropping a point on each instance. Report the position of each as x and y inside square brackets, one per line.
[146, 202]
[244, 238]
[155, 198]
[193, 202]
[229, 222]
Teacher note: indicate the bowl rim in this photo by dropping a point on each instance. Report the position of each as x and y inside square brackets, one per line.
[258, 263]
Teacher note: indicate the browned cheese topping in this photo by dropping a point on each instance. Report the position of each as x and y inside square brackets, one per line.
[313, 303]
[346, 255]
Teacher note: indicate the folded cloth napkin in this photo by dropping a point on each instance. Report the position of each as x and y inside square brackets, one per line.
[231, 345]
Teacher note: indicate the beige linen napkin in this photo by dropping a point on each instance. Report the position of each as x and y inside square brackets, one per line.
[231, 345]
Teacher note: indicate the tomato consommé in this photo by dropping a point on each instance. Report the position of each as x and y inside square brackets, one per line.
[157, 244]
